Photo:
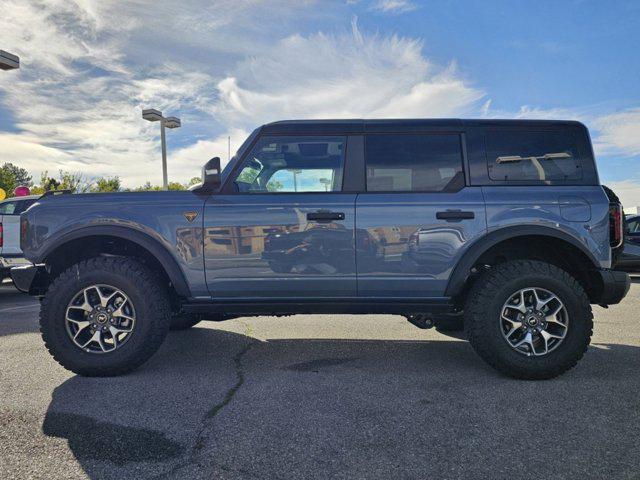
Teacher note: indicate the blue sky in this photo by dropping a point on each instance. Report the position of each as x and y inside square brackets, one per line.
[226, 66]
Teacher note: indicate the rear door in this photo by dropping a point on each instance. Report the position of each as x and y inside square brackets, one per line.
[284, 228]
[417, 215]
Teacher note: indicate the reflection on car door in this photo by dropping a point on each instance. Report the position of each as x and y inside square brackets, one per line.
[288, 230]
[417, 212]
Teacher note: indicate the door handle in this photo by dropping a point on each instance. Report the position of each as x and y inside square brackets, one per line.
[324, 217]
[453, 215]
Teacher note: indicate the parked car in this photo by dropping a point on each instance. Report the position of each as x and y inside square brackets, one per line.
[10, 253]
[501, 222]
[630, 257]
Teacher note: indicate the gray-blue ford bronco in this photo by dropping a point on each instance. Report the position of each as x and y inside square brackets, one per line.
[498, 227]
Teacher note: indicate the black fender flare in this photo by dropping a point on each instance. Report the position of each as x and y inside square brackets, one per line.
[144, 240]
[474, 252]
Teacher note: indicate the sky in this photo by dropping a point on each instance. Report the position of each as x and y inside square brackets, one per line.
[224, 67]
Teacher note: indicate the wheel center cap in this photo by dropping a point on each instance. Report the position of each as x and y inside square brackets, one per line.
[532, 320]
[102, 318]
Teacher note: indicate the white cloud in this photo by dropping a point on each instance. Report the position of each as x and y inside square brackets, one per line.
[393, 6]
[194, 156]
[629, 193]
[343, 76]
[619, 133]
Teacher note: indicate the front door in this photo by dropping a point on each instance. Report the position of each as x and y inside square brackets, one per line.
[285, 229]
[416, 216]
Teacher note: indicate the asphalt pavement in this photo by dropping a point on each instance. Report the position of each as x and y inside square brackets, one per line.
[318, 397]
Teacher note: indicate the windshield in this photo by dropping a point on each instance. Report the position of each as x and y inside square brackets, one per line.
[245, 145]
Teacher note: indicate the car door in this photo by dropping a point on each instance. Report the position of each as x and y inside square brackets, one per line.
[416, 216]
[283, 228]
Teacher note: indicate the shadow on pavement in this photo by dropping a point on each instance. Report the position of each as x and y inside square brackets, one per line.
[222, 405]
[18, 311]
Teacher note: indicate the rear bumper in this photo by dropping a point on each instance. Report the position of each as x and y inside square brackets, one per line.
[615, 285]
[10, 261]
[31, 279]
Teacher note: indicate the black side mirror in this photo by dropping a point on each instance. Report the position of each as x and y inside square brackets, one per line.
[211, 178]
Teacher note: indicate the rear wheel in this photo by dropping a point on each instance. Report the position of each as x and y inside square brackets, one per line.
[529, 319]
[104, 316]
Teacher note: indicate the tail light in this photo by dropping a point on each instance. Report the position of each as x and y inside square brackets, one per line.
[616, 225]
[1, 235]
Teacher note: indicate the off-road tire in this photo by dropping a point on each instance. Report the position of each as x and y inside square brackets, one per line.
[153, 315]
[483, 309]
[184, 321]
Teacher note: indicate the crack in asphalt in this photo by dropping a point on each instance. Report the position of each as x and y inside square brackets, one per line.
[214, 411]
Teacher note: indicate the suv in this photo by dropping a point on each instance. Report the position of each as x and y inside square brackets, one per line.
[10, 253]
[502, 224]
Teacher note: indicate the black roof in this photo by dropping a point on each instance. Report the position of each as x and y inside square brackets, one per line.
[414, 124]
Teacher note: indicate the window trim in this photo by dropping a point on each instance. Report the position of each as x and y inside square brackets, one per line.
[228, 189]
[463, 159]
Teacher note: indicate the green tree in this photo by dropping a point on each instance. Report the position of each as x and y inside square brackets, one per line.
[103, 184]
[12, 176]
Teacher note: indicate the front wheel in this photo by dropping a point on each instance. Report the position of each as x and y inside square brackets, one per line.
[104, 316]
[529, 319]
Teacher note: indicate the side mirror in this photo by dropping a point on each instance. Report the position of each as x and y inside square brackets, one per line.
[211, 178]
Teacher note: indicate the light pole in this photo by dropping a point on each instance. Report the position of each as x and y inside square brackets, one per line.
[8, 61]
[153, 115]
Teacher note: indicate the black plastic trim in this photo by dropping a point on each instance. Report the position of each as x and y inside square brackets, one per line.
[147, 242]
[462, 269]
[615, 286]
[356, 305]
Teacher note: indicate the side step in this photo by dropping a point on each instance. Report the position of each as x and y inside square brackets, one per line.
[420, 320]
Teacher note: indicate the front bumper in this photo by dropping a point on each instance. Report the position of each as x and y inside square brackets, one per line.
[31, 279]
[615, 285]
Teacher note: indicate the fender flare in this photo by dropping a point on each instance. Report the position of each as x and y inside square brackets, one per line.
[474, 252]
[144, 240]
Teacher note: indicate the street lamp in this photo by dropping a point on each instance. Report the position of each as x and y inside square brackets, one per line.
[8, 61]
[153, 115]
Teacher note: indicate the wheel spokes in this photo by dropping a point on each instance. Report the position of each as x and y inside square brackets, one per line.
[100, 318]
[534, 321]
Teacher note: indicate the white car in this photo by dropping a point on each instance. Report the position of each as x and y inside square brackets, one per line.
[10, 253]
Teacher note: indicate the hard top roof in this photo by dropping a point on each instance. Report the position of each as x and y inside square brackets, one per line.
[361, 125]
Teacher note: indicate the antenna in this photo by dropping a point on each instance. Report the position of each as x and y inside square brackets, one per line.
[229, 148]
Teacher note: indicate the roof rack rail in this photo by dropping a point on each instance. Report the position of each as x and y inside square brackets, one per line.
[55, 192]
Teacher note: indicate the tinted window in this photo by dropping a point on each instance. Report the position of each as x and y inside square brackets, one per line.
[413, 163]
[8, 208]
[542, 156]
[633, 226]
[293, 164]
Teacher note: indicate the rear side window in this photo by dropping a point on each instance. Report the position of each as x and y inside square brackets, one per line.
[533, 156]
[414, 163]
[8, 208]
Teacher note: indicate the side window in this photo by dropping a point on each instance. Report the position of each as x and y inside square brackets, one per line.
[8, 208]
[633, 226]
[414, 163]
[528, 155]
[289, 164]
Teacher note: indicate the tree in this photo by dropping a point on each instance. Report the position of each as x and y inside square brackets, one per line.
[194, 181]
[103, 184]
[12, 176]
